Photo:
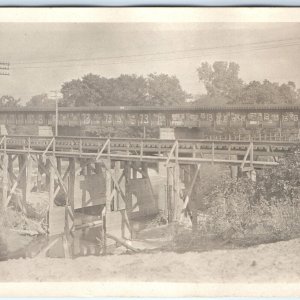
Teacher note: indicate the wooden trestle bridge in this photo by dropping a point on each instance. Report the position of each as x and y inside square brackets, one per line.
[52, 164]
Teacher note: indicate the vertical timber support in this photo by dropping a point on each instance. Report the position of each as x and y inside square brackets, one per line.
[4, 181]
[51, 190]
[69, 210]
[28, 178]
[127, 173]
[173, 185]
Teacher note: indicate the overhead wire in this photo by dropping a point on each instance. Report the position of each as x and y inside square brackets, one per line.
[263, 46]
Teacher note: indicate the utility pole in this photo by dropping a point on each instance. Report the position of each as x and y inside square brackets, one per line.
[56, 96]
[4, 68]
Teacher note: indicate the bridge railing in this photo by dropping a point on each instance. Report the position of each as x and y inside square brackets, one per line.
[189, 151]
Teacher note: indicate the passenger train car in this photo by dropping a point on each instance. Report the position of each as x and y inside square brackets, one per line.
[215, 117]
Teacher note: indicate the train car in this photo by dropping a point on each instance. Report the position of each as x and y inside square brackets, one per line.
[177, 120]
[223, 118]
[270, 120]
[289, 119]
[237, 120]
[206, 120]
[254, 120]
[191, 120]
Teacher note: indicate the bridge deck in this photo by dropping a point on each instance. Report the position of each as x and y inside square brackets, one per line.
[149, 150]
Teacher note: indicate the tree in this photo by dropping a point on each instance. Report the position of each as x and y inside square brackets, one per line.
[9, 101]
[100, 91]
[125, 90]
[41, 100]
[165, 90]
[221, 80]
[224, 86]
[268, 93]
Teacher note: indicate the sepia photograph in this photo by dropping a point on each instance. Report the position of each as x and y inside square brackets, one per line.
[145, 146]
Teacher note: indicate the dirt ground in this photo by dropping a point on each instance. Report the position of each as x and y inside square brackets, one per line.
[277, 262]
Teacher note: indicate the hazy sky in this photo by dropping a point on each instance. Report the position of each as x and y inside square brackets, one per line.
[43, 56]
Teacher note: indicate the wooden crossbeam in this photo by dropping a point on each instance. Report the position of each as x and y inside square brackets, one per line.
[115, 181]
[174, 148]
[63, 178]
[249, 151]
[106, 144]
[48, 147]
[189, 192]
[60, 179]
[15, 186]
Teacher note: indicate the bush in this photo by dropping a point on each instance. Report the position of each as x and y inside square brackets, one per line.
[270, 206]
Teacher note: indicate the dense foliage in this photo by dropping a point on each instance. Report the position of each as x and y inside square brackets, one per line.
[224, 86]
[270, 206]
[125, 90]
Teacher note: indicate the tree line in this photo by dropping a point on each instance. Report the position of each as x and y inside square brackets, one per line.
[221, 80]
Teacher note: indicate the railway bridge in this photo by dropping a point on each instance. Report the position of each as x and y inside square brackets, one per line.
[109, 178]
[186, 121]
[97, 186]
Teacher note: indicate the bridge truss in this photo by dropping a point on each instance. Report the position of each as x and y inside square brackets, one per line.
[55, 162]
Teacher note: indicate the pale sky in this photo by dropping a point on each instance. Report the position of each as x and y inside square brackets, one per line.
[45, 55]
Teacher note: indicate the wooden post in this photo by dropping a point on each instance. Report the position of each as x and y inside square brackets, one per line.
[11, 176]
[71, 187]
[97, 168]
[144, 170]
[170, 207]
[39, 173]
[58, 164]
[127, 173]
[4, 181]
[47, 174]
[69, 212]
[51, 188]
[108, 186]
[23, 179]
[117, 174]
[28, 178]
[176, 186]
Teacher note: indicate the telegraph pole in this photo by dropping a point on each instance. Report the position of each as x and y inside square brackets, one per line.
[4, 68]
[55, 95]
